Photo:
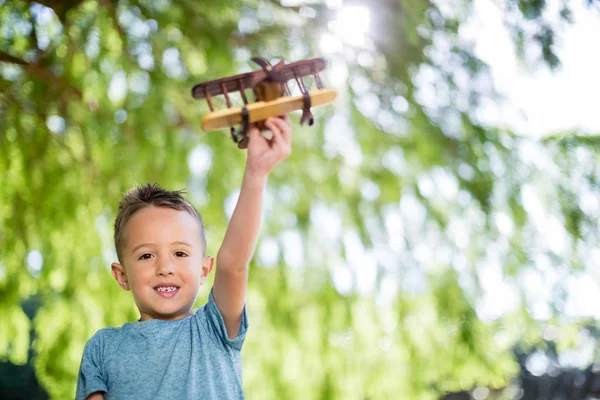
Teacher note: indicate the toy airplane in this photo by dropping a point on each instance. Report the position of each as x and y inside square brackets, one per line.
[271, 96]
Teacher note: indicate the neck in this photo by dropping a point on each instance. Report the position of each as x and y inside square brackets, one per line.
[148, 317]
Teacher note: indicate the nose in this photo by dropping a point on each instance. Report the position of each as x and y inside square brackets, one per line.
[165, 266]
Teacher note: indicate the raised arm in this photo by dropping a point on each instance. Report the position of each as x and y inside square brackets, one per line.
[231, 277]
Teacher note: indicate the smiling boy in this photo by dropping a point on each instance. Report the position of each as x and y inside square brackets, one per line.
[173, 352]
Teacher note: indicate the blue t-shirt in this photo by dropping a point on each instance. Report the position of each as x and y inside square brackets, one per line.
[191, 358]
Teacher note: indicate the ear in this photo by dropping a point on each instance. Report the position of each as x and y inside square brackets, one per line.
[118, 272]
[207, 266]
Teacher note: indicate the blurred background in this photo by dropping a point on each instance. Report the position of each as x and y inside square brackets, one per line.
[433, 236]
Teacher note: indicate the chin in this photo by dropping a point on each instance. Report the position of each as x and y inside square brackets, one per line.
[166, 315]
[172, 312]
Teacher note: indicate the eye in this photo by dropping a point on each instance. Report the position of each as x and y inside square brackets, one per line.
[180, 254]
[145, 256]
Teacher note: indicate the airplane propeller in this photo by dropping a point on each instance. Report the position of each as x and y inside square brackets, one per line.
[269, 72]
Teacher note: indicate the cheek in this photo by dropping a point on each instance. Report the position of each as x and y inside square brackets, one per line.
[190, 271]
[139, 275]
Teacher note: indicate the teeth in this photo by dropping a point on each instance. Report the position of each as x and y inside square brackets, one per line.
[166, 289]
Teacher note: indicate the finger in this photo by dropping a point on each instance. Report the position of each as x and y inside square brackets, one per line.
[279, 143]
[272, 125]
[285, 119]
[285, 128]
[253, 131]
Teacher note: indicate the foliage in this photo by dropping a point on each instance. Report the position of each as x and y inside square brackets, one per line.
[414, 203]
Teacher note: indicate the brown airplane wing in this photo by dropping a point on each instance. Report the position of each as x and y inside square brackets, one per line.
[232, 83]
[215, 87]
[302, 68]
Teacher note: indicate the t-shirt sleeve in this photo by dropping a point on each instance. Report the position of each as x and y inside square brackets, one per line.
[91, 377]
[215, 325]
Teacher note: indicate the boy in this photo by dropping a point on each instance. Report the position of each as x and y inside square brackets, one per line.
[172, 352]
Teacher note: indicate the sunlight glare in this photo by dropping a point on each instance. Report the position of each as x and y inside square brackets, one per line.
[34, 263]
[352, 25]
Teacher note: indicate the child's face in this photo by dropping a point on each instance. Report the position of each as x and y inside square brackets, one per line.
[163, 262]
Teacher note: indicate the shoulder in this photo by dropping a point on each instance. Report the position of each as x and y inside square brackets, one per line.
[103, 337]
[208, 310]
[106, 334]
[211, 324]
[201, 314]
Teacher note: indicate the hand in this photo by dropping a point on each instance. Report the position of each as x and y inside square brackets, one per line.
[265, 154]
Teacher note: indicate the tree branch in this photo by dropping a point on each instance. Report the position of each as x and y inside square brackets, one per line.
[42, 73]
[10, 59]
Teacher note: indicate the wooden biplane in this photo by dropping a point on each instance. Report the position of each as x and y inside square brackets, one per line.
[272, 96]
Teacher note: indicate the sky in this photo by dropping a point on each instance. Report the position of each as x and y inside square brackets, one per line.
[549, 102]
[538, 101]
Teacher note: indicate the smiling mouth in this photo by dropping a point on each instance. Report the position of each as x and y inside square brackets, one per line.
[166, 288]
[166, 291]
